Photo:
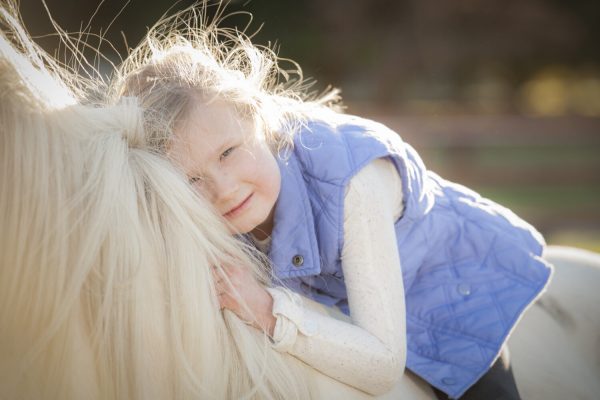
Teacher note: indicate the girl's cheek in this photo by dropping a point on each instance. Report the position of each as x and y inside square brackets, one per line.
[252, 159]
[244, 159]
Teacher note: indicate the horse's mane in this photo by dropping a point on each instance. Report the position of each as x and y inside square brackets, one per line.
[105, 256]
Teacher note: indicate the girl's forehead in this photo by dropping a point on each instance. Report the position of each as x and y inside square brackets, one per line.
[210, 125]
[217, 120]
[207, 131]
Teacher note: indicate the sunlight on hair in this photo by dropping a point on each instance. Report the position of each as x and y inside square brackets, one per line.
[105, 257]
[33, 71]
[189, 55]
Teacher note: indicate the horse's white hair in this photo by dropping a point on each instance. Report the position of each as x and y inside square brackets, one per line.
[105, 256]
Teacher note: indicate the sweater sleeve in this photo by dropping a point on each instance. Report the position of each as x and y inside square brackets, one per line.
[369, 351]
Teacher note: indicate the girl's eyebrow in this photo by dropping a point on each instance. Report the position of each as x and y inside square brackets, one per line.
[226, 142]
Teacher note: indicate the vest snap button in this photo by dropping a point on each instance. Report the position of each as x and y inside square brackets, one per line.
[297, 260]
[448, 381]
[464, 289]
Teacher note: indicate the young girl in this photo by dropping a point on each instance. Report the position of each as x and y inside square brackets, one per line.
[433, 276]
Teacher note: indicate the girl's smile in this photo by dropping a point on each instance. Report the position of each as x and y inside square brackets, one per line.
[228, 161]
[240, 208]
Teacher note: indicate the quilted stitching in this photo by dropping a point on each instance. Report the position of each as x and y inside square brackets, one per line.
[470, 266]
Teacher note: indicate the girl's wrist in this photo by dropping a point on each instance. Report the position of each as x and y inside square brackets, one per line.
[269, 325]
[268, 320]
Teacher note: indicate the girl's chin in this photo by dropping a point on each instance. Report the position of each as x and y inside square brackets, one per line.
[260, 228]
[241, 229]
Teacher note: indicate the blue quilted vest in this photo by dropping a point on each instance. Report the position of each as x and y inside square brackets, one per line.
[470, 266]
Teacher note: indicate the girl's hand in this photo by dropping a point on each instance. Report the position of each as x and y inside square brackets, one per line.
[239, 291]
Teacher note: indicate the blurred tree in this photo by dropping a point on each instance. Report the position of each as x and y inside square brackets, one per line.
[477, 54]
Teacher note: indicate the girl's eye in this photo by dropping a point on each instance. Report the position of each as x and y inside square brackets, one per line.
[226, 153]
[194, 179]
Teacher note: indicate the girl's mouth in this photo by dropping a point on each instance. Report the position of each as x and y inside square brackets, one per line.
[239, 208]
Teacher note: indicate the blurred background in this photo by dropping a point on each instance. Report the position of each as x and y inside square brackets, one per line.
[500, 95]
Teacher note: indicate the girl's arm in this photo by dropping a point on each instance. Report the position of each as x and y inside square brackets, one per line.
[370, 352]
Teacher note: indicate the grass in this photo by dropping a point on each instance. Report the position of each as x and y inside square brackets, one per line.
[554, 184]
[566, 215]
[552, 199]
[589, 240]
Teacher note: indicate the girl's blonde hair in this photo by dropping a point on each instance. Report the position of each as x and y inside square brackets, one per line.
[189, 57]
[105, 256]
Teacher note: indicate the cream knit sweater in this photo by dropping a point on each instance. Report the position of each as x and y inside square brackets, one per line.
[369, 351]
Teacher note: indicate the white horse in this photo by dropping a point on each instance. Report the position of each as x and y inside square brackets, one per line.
[555, 348]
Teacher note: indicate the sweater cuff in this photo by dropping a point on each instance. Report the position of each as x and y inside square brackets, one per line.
[290, 319]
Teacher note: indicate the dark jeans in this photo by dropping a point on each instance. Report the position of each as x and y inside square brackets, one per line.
[498, 383]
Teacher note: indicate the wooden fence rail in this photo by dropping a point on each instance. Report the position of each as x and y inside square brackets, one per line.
[546, 169]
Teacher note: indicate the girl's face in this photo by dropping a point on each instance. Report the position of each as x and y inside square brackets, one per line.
[230, 164]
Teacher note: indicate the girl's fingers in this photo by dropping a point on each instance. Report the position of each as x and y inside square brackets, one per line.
[222, 269]
[222, 276]
[225, 301]
[223, 284]
[222, 301]
[217, 278]
[223, 288]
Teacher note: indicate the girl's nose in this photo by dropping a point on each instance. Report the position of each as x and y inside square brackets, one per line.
[224, 187]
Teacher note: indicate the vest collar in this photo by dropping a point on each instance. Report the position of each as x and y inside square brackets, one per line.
[294, 250]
